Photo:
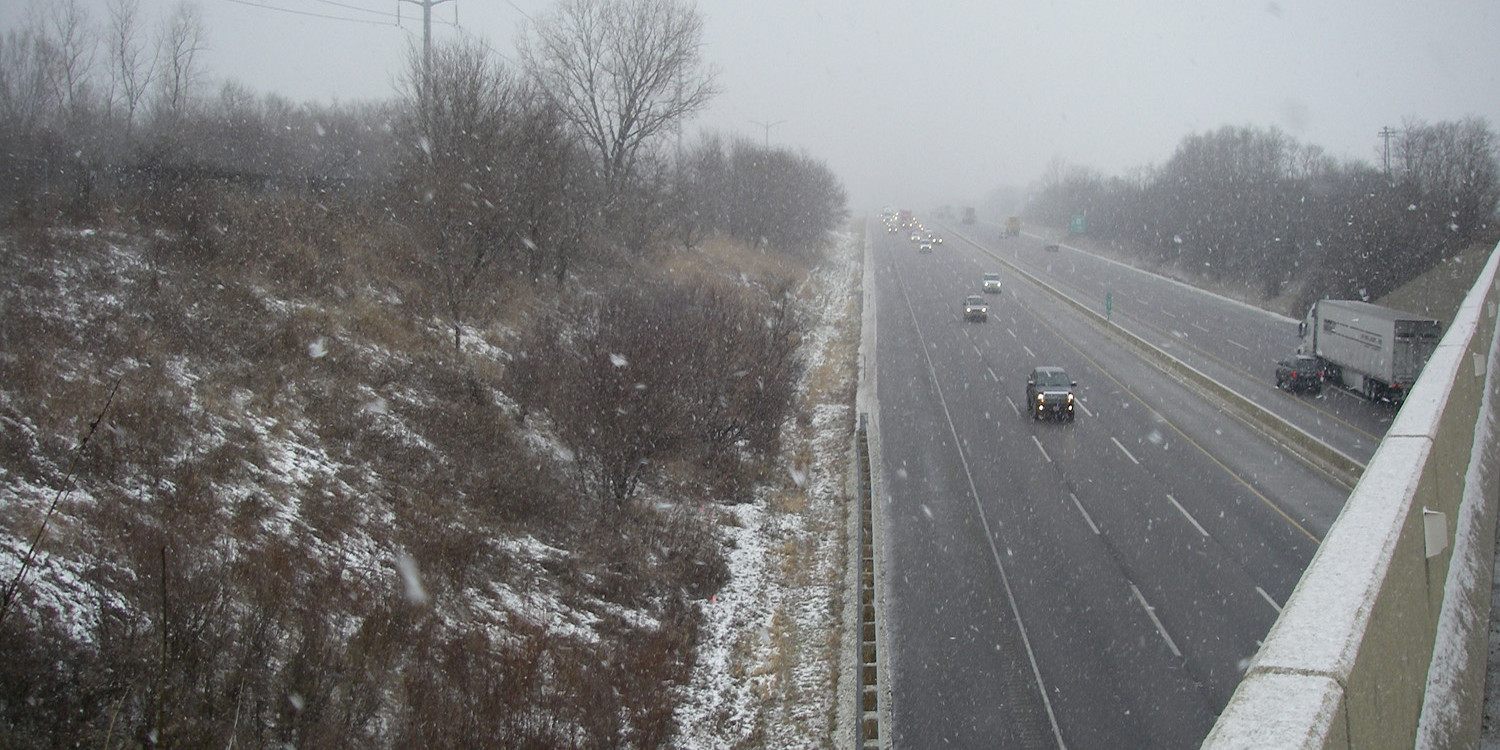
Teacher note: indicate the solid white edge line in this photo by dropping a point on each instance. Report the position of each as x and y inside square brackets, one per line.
[1151, 613]
[1187, 515]
[1126, 452]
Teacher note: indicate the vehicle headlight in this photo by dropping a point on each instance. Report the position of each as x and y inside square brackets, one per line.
[1070, 399]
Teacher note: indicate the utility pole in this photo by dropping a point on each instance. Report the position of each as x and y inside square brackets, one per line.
[767, 126]
[1386, 133]
[426, 35]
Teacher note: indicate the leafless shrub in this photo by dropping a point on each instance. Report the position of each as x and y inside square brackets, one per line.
[651, 373]
[771, 198]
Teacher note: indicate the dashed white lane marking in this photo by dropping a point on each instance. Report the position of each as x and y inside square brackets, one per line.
[1151, 613]
[1269, 600]
[1187, 515]
[1040, 448]
[1085, 513]
[1236, 343]
[1122, 450]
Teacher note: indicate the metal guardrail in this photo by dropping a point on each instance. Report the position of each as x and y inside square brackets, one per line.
[867, 680]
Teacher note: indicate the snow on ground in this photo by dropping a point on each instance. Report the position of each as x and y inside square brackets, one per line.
[767, 668]
[766, 673]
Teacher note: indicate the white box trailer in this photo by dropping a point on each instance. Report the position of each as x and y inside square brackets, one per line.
[1375, 351]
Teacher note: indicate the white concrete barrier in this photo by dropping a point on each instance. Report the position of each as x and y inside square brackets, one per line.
[1383, 642]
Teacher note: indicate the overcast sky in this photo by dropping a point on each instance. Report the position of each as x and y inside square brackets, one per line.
[922, 103]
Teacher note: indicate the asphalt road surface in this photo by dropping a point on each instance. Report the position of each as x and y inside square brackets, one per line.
[1095, 584]
[1236, 344]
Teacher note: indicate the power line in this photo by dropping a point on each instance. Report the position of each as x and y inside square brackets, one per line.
[395, 17]
[313, 15]
[358, 8]
[518, 10]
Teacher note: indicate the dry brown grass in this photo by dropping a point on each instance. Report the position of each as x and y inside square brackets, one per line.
[1441, 290]
[720, 257]
[256, 331]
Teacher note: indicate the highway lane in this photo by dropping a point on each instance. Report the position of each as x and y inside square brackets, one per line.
[1235, 343]
[1128, 571]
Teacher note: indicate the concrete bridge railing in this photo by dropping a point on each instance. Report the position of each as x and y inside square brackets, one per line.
[1383, 643]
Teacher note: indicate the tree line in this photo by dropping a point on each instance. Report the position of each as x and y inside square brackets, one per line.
[1252, 206]
[557, 159]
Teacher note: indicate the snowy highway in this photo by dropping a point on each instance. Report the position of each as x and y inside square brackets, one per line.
[1236, 344]
[1095, 584]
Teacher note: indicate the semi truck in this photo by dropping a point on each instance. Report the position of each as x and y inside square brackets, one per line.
[1012, 227]
[1374, 351]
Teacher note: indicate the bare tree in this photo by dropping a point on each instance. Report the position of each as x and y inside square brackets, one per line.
[1452, 169]
[75, 43]
[182, 38]
[131, 67]
[622, 72]
[28, 65]
[456, 119]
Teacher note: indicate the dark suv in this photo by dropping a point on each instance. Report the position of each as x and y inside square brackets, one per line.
[976, 309]
[1302, 372]
[1049, 392]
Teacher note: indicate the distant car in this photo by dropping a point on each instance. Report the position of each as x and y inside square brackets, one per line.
[1302, 372]
[925, 247]
[1051, 248]
[992, 283]
[935, 239]
[916, 237]
[976, 309]
[1049, 393]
